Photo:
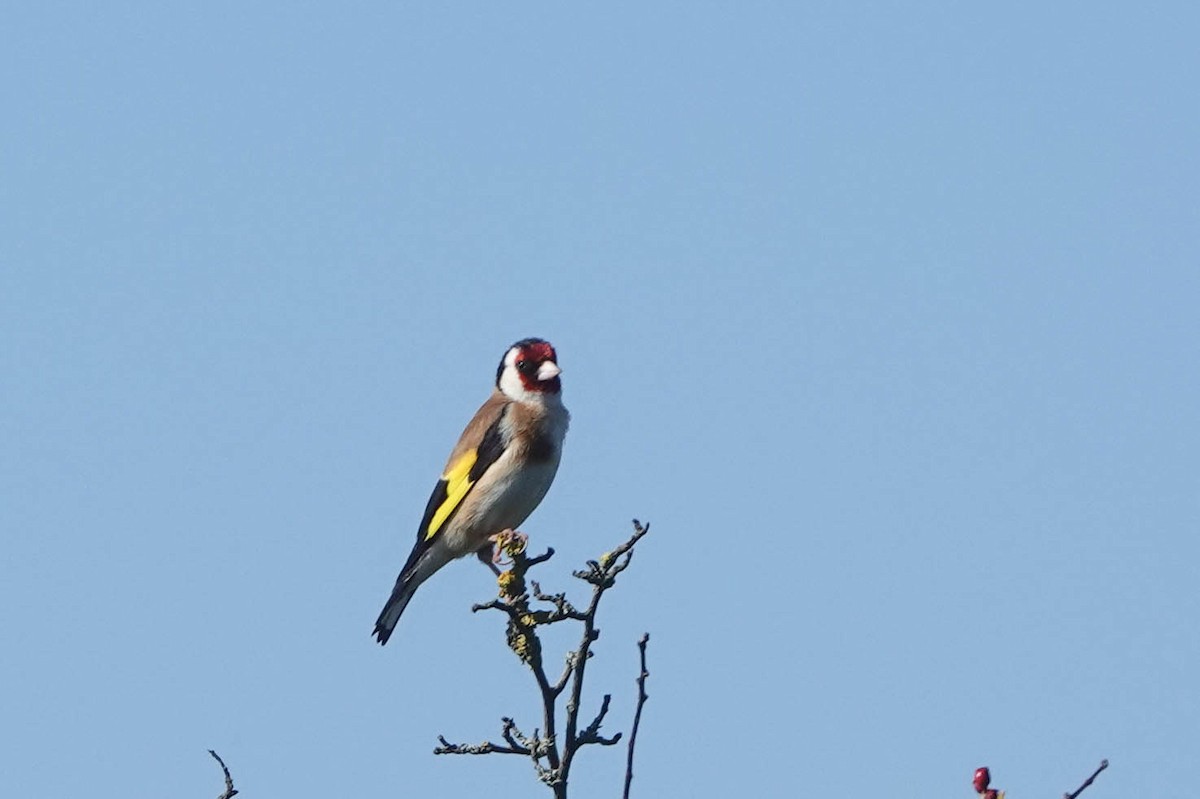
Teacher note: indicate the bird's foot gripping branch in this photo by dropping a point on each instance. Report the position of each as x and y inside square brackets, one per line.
[528, 608]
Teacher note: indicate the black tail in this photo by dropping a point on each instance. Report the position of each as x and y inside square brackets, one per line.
[397, 602]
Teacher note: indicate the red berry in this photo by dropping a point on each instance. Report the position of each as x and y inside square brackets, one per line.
[983, 778]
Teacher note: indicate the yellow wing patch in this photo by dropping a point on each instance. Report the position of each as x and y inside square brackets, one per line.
[458, 483]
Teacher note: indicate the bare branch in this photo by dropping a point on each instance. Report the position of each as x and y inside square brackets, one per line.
[1088, 781]
[601, 575]
[495, 604]
[592, 735]
[515, 738]
[563, 609]
[485, 748]
[551, 758]
[637, 716]
[568, 670]
[230, 791]
[542, 558]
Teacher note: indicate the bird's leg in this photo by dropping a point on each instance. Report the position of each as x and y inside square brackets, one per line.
[485, 557]
[510, 542]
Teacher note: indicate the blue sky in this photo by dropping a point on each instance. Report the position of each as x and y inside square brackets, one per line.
[885, 317]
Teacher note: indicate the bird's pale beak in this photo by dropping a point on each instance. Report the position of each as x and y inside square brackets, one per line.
[548, 371]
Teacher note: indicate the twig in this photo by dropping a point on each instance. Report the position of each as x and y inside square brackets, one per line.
[637, 715]
[230, 791]
[523, 640]
[591, 735]
[495, 604]
[542, 558]
[601, 575]
[1088, 781]
[563, 609]
[515, 738]
[485, 748]
[518, 744]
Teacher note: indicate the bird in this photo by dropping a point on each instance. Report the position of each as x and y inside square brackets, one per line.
[496, 475]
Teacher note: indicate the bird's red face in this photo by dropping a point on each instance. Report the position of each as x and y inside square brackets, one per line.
[529, 367]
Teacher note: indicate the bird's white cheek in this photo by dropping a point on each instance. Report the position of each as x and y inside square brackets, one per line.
[510, 384]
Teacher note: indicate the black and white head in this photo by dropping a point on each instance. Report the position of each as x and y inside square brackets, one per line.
[529, 371]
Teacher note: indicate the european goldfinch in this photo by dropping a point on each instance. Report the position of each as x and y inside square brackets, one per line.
[497, 473]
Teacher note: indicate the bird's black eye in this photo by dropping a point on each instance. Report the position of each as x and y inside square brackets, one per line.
[526, 367]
